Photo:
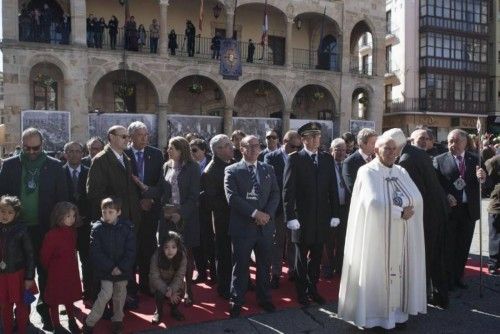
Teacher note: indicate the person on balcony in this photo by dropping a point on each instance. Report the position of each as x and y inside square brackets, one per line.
[131, 34]
[190, 34]
[90, 30]
[37, 25]
[47, 22]
[64, 29]
[251, 51]
[141, 37]
[99, 31]
[172, 42]
[215, 46]
[154, 35]
[112, 31]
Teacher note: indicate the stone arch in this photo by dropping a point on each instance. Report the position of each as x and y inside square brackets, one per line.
[363, 59]
[361, 102]
[46, 86]
[312, 100]
[256, 77]
[326, 85]
[258, 98]
[102, 70]
[49, 58]
[196, 95]
[64, 5]
[124, 91]
[277, 4]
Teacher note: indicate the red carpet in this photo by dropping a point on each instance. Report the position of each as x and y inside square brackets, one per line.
[209, 306]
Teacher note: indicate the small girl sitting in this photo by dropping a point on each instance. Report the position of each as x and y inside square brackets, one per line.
[17, 266]
[166, 276]
[58, 256]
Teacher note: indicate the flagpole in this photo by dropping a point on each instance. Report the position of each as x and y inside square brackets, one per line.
[478, 126]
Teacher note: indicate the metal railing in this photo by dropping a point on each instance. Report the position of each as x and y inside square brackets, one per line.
[131, 41]
[308, 59]
[53, 33]
[361, 68]
[435, 105]
[391, 67]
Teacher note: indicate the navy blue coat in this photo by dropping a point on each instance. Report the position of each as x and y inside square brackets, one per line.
[276, 159]
[112, 246]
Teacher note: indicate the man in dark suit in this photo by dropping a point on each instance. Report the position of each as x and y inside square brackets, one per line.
[204, 254]
[366, 142]
[212, 185]
[37, 180]
[282, 243]
[419, 165]
[272, 143]
[311, 205]
[76, 179]
[336, 240]
[458, 174]
[253, 196]
[94, 146]
[147, 164]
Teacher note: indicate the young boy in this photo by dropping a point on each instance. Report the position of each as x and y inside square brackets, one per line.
[112, 253]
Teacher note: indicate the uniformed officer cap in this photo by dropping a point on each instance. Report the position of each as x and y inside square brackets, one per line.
[309, 129]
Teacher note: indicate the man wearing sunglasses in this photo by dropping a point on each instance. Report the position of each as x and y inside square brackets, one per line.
[39, 182]
[272, 142]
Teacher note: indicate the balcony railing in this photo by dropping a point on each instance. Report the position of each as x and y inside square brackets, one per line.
[308, 59]
[391, 67]
[361, 68]
[435, 105]
[53, 33]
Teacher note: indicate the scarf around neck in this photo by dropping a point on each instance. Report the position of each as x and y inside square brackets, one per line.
[31, 168]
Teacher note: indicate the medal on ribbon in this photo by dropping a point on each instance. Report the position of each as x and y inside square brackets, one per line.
[459, 184]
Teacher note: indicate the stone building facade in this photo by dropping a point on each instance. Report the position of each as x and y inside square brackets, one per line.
[292, 81]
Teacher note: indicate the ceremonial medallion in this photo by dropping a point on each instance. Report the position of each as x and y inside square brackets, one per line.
[459, 184]
[3, 265]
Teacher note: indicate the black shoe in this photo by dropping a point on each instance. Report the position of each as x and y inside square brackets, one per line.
[328, 275]
[267, 306]
[73, 326]
[275, 282]
[224, 295]
[87, 329]
[235, 311]
[316, 297]
[176, 314]
[107, 314]
[117, 327]
[291, 276]
[303, 300]
[442, 300]
[47, 325]
[401, 325]
[200, 279]
[460, 284]
[250, 286]
[131, 303]
[60, 330]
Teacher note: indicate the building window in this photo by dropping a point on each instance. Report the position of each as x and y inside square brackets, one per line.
[388, 59]
[124, 97]
[388, 21]
[45, 93]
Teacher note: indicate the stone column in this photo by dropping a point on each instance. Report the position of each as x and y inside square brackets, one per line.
[285, 121]
[288, 41]
[78, 12]
[229, 24]
[162, 125]
[163, 47]
[228, 120]
[10, 23]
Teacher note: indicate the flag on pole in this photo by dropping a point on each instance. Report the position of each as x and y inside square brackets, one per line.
[265, 27]
[200, 20]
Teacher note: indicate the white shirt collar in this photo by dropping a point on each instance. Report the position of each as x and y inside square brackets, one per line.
[135, 151]
[78, 169]
[310, 152]
[365, 156]
[118, 156]
[250, 164]
[461, 155]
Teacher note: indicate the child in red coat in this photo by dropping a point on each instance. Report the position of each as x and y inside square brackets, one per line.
[58, 256]
[17, 266]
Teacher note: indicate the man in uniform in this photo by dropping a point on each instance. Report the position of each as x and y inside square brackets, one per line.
[311, 203]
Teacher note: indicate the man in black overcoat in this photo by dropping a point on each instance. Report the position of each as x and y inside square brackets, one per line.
[311, 203]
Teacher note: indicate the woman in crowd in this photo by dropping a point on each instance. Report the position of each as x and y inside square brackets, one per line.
[180, 188]
[112, 31]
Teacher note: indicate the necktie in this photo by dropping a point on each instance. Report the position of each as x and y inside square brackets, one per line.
[339, 169]
[461, 166]
[313, 157]
[74, 179]
[256, 186]
[369, 158]
[139, 163]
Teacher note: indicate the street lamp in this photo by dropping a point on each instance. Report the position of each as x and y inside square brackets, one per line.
[298, 23]
[217, 10]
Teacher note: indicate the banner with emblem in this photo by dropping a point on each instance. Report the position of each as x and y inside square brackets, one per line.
[230, 59]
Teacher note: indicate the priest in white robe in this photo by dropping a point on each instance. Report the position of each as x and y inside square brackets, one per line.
[383, 275]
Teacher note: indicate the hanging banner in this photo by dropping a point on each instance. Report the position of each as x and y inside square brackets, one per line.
[54, 125]
[230, 59]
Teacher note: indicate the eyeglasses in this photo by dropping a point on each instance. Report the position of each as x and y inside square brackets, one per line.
[32, 148]
[194, 150]
[271, 137]
[122, 136]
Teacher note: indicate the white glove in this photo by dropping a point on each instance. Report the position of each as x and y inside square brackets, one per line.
[396, 211]
[293, 224]
[334, 222]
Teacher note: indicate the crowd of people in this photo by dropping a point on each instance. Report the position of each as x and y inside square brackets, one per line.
[390, 215]
[44, 25]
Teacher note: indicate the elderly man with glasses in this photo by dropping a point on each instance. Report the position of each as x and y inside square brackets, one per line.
[39, 182]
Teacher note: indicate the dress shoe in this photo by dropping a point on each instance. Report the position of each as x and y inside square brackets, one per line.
[117, 327]
[291, 276]
[267, 306]
[60, 330]
[303, 300]
[275, 282]
[87, 329]
[73, 326]
[176, 314]
[316, 297]
[460, 284]
[235, 311]
[224, 295]
[200, 279]
[493, 269]
[131, 303]
[401, 325]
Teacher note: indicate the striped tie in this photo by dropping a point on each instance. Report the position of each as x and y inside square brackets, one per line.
[256, 186]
